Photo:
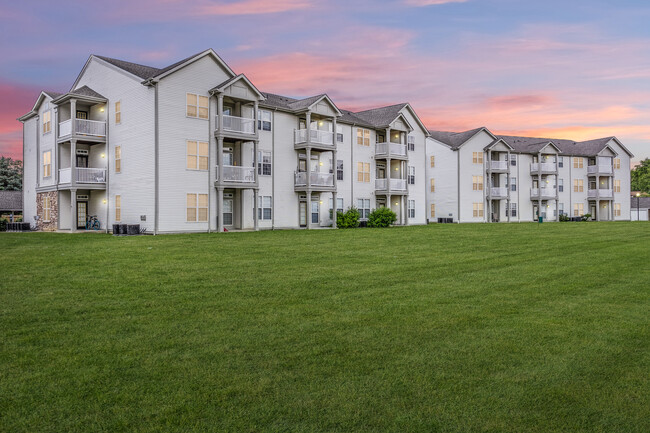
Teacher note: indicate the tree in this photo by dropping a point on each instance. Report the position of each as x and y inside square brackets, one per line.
[11, 174]
[641, 176]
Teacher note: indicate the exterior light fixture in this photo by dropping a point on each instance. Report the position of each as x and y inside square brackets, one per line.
[103, 155]
[321, 202]
[104, 201]
[396, 203]
[320, 163]
[101, 109]
[320, 123]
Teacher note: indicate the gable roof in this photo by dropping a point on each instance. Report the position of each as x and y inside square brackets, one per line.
[294, 105]
[567, 147]
[230, 81]
[83, 93]
[381, 117]
[34, 111]
[11, 200]
[456, 139]
[140, 71]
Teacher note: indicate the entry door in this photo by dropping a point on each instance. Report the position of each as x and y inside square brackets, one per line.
[82, 161]
[227, 211]
[82, 211]
[593, 211]
[303, 214]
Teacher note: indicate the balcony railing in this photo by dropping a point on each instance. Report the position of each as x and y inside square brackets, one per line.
[390, 149]
[243, 125]
[316, 179]
[315, 136]
[499, 165]
[499, 191]
[95, 128]
[602, 169]
[82, 175]
[398, 184]
[602, 193]
[542, 192]
[231, 173]
[547, 167]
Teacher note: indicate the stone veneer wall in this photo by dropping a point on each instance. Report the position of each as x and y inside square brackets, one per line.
[54, 211]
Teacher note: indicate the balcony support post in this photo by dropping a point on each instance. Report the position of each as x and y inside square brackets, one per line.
[73, 162]
[73, 209]
[388, 172]
[73, 116]
[508, 209]
[308, 138]
[220, 112]
[597, 194]
[219, 209]
[308, 177]
[255, 117]
[219, 174]
[255, 209]
[557, 186]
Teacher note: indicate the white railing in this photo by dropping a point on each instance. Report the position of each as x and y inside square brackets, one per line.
[315, 136]
[545, 192]
[398, 184]
[499, 165]
[244, 125]
[499, 191]
[605, 169]
[95, 128]
[316, 179]
[231, 173]
[545, 166]
[602, 193]
[65, 175]
[381, 184]
[90, 175]
[390, 149]
[65, 128]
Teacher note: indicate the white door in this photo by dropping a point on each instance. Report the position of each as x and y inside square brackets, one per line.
[303, 214]
[227, 212]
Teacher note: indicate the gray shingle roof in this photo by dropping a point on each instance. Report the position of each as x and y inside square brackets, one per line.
[382, 116]
[136, 69]
[644, 202]
[52, 95]
[301, 104]
[277, 101]
[568, 147]
[454, 139]
[86, 91]
[11, 200]
[352, 118]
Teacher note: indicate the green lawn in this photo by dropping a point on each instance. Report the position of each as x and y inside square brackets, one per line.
[450, 328]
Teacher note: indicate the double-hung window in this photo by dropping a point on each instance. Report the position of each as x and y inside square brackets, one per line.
[339, 169]
[560, 161]
[118, 208]
[47, 208]
[47, 121]
[364, 207]
[118, 159]
[560, 185]
[477, 157]
[578, 209]
[118, 112]
[513, 184]
[264, 163]
[578, 185]
[432, 161]
[315, 211]
[477, 210]
[363, 137]
[411, 209]
[578, 162]
[560, 208]
[197, 106]
[513, 209]
[47, 163]
[197, 155]
[411, 142]
[363, 171]
[197, 207]
[264, 120]
[339, 133]
[477, 183]
[433, 185]
[617, 209]
[433, 210]
[411, 175]
[264, 207]
[339, 204]
[617, 186]
[617, 163]
[513, 160]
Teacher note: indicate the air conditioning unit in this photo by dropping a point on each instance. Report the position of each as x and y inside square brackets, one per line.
[82, 152]
[82, 197]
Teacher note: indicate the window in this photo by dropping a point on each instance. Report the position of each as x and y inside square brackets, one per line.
[118, 208]
[617, 163]
[477, 210]
[617, 186]
[560, 208]
[47, 163]
[477, 157]
[264, 207]
[363, 137]
[339, 169]
[432, 161]
[339, 133]
[264, 163]
[314, 212]
[411, 209]
[578, 162]
[264, 120]
[197, 155]
[433, 185]
[477, 183]
[411, 175]
[578, 185]
[47, 122]
[339, 204]
[560, 185]
[433, 210]
[411, 142]
[227, 211]
[578, 209]
[197, 106]
[118, 112]
[118, 159]
[363, 172]
[47, 208]
[513, 209]
[561, 161]
[513, 184]
[364, 207]
[513, 160]
[617, 209]
[197, 207]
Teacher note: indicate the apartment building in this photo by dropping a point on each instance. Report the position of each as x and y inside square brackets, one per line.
[195, 147]
[476, 176]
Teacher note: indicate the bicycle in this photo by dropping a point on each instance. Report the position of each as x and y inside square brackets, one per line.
[92, 223]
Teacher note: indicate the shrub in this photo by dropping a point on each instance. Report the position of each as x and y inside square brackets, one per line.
[564, 217]
[381, 217]
[348, 219]
[3, 224]
[586, 217]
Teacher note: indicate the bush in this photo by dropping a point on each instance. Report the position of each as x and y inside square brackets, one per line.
[564, 217]
[348, 219]
[3, 224]
[586, 217]
[381, 217]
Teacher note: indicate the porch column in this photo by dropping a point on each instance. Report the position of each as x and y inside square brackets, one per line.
[219, 209]
[73, 162]
[508, 186]
[404, 210]
[308, 126]
[220, 112]
[388, 171]
[597, 194]
[73, 116]
[387, 138]
[308, 181]
[388, 201]
[488, 184]
[255, 209]
[73, 209]
[219, 175]
[256, 161]
[557, 186]
[539, 184]
[255, 116]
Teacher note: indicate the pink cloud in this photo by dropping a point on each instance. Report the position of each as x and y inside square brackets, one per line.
[17, 100]
[420, 3]
[252, 7]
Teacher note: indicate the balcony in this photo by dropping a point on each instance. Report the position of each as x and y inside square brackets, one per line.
[303, 137]
[239, 125]
[603, 194]
[83, 128]
[542, 193]
[317, 181]
[599, 169]
[546, 168]
[88, 176]
[498, 192]
[236, 174]
[500, 166]
[397, 186]
[390, 150]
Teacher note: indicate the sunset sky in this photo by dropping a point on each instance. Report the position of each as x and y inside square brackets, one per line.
[575, 69]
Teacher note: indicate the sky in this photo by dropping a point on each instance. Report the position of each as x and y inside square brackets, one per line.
[574, 69]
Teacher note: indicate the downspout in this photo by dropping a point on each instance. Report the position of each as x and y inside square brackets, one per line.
[108, 166]
[156, 160]
[458, 182]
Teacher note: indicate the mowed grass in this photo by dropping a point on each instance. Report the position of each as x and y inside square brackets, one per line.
[444, 328]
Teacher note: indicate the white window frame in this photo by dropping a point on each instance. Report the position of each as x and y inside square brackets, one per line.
[118, 160]
[339, 204]
[478, 210]
[197, 217]
[196, 144]
[265, 208]
[411, 209]
[47, 166]
[410, 139]
[363, 175]
[411, 175]
[118, 208]
[433, 185]
[264, 120]
[47, 122]
[477, 183]
[363, 205]
[477, 157]
[197, 106]
[264, 163]
[118, 112]
[513, 209]
[47, 208]
[432, 161]
[363, 137]
[513, 184]
[432, 211]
